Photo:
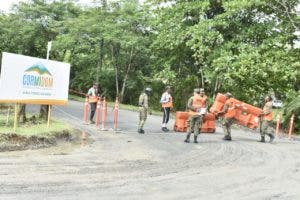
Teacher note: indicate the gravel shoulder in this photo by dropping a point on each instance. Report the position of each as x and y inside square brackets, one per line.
[126, 165]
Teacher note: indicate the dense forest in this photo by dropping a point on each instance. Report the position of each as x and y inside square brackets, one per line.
[246, 47]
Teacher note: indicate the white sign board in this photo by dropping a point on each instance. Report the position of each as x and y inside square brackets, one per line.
[32, 80]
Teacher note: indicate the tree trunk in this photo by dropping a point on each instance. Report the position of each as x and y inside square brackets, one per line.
[99, 63]
[216, 87]
[121, 98]
[22, 113]
[116, 69]
[202, 78]
[44, 112]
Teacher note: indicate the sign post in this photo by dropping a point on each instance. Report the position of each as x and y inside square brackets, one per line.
[49, 106]
[16, 117]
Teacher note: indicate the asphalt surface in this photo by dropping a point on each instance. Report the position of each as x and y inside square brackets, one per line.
[157, 165]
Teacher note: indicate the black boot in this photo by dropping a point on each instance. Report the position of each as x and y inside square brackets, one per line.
[141, 131]
[227, 137]
[195, 139]
[187, 140]
[271, 137]
[262, 139]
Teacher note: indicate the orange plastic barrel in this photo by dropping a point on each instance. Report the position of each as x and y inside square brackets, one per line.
[181, 121]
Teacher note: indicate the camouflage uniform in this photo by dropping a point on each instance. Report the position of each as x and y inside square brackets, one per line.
[266, 124]
[195, 121]
[226, 124]
[228, 119]
[143, 109]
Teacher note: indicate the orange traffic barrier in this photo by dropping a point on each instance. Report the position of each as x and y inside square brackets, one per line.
[104, 113]
[86, 110]
[277, 125]
[245, 115]
[181, 121]
[291, 126]
[98, 111]
[208, 125]
[116, 113]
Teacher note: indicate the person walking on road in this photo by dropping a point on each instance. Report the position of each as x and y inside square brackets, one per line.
[93, 94]
[266, 121]
[229, 112]
[197, 109]
[166, 104]
[144, 109]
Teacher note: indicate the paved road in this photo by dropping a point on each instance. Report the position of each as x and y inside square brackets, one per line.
[156, 165]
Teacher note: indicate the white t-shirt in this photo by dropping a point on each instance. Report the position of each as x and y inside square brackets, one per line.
[166, 97]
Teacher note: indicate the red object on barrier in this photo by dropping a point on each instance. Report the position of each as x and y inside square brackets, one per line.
[291, 126]
[86, 110]
[116, 113]
[208, 125]
[98, 111]
[104, 113]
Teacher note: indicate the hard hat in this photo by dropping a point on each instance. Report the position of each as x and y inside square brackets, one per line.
[228, 94]
[148, 89]
[201, 90]
[269, 97]
[197, 90]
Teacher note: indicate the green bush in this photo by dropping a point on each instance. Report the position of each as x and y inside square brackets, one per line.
[293, 107]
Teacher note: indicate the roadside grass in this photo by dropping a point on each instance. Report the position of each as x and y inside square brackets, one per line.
[111, 104]
[33, 128]
[76, 98]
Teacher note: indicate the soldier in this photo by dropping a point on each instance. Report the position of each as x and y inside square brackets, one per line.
[166, 104]
[229, 113]
[266, 117]
[93, 94]
[197, 109]
[144, 108]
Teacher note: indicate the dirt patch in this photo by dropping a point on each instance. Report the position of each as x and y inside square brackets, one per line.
[15, 142]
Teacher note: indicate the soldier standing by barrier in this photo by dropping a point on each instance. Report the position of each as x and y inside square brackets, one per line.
[166, 104]
[229, 113]
[144, 109]
[197, 109]
[266, 120]
[93, 94]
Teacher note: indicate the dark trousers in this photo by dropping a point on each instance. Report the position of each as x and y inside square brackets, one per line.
[166, 115]
[93, 107]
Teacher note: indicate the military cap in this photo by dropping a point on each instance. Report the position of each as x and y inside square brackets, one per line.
[228, 94]
[197, 90]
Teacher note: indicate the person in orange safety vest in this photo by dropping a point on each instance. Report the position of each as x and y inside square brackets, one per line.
[228, 113]
[166, 104]
[266, 121]
[93, 94]
[197, 105]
